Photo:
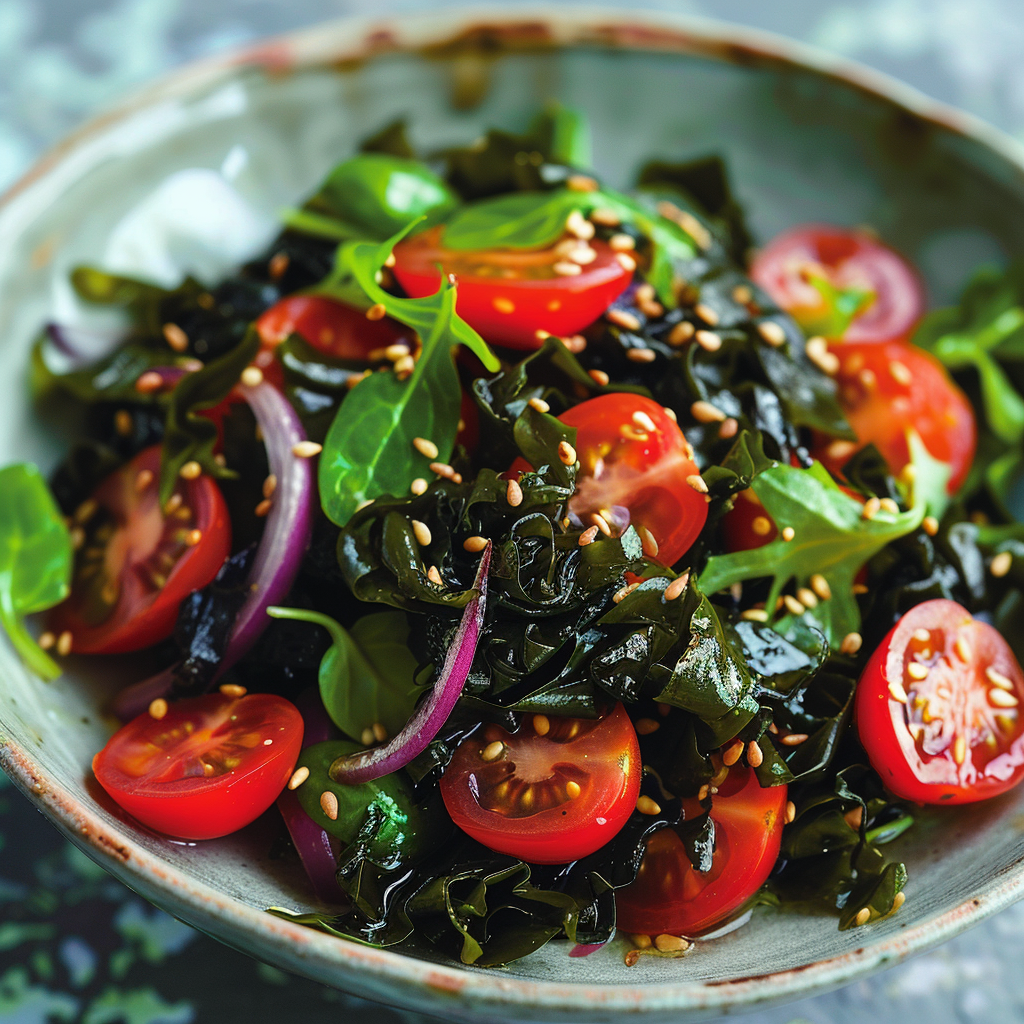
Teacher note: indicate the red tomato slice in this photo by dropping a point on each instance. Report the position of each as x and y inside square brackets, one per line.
[553, 792]
[508, 295]
[669, 896]
[889, 389]
[631, 473]
[210, 766]
[938, 708]
[135, 565]
[846, 259]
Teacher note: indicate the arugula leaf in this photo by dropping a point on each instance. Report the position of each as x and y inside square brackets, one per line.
[368, 451]
[840, 307]
[831, 538]
[188, 437]
[35, 559]
[368, 674]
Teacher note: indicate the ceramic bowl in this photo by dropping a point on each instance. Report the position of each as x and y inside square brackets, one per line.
[806, 138]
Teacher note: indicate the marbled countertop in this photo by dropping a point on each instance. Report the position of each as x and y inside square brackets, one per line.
[75, 945]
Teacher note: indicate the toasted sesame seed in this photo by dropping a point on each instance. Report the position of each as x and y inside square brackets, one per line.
[670, 944]
[645, 726]
[992, 673]
[706, 313]
[641, 355]
[264, 507]
[851, 643]
[755, 756]
[588, 536]
[306, 449]
[840, 450]
[539, 405]
[681, 333]
[329, 804]
[788, 533]
[232, 690]
[793, 606]
[898, 900]
[252, 376]
[863, 916]
[149, 382]
[426, 448]
[601, 523]
[566, 453]
[930, 525]
[897, 692]
[705, 412]
[859, 588]
[820, 586]
[269, 485]
[573, 789]
[434, 575]
[963, 649]
[959, 750]
[1000, 564]
[772, 332]
[754, 615]
[566, 268]
[576, 224]
[696, 481]
[299, 776]
[871, 508]
[742, 294]
[818, 353]
[193, 537]
[645, 805]
[175, 337]
[708, 340]
[474, 544]
[377, 311]
[143, 479]
[158, 708]
[514, 493]
[621, 243]
[605, 217]
[46, 640]
[867, 379]
[917, 671]
[790, 812]
[191, 470]
[599, 377]
[761, 525]
[625, 261]
[807, 597]
[580, 183]
[793, 739]
[1000, 698]
[623, 318]
[889, 505]
[421, 532]
[676, 587]
[733, 752]
[648, 541]
[729, 428]
[900, 373]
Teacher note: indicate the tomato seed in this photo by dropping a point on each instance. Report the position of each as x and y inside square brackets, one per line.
[959, 750]
[897, 692]
[994, 676]
[492, 751]
[1001, 698]
[917, 671]
[541, 725]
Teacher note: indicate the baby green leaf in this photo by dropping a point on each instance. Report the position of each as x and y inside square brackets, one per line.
[368, 674]
[35, 559]
[368, 451]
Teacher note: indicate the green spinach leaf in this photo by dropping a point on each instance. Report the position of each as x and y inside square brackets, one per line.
[35, 559]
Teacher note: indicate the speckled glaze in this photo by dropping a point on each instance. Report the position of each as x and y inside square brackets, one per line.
[806, 137]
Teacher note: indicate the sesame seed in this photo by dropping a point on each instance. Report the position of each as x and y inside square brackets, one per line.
[158, 708]
[573, 789]
[329, 804]
[963, 649]
[46, 640]
[917, 671]
[863, 916]
[755, 756]
[670, 944]
[1000, 564]
[626, 261]
[818, 353]
[622, 318]
[377, 311]
[889, 505]
[426, 448]
[278, 265]
[643, 421]
[566, 268]
[252, 376]
[191, 470]
[620, 595]
[434, 575]
[681, 333]
[900, 373]
[269, 485]
[761, 525]
[851, 643]
[1000, 698]
[867, 379]
[422, 533]
[754, 615]
[566, 453]
[793, 606]
[820, 586]
[576, 224]
[676, 587]
[399, 349]
[645, 726]
[991, 672]
[732, 753]
[193, 537]
[580, 183]
[123, 423]
[539, 404]
[807, 597]
[897, 692]
[641, 355]
[621, 243]
[771, 331]
[514, 494]
[306, 449]
[742, 294]
[263, 508]
[708, 340]
[605, 217]
[930, 525]
[474, 544]
[645, 805]
[149, 382]
[599, 377]
[788, 533]
[541, 725]
[648, 541]
[706, 313]
[705, 412]
[175, 337]
[898, 900]
[840, 450]
[582, 254]
[443, 469]
[859, 588]
[959, 750]
[696, 481]
[380, 734]
[790, 812]
[588, 536]
[729, 428]
[871, 508]
[793, 739]
[601, 523]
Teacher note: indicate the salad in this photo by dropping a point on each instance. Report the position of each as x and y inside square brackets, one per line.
[557, 563]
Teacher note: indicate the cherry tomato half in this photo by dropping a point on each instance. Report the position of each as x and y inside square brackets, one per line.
[669, 896]
[553, 792]
[889, 389]
[938, 708]
[845, 259]
[508, 295]
[210, 766]
[135, 564]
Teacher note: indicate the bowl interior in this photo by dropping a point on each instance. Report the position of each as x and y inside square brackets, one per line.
[800, 146]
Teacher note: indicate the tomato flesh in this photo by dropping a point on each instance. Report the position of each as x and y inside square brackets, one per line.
[887, 390]
[509, 295]
[549, 795]
[135, 564]
[938, 708]
[210, 766]
[670, 896]
[845, 259]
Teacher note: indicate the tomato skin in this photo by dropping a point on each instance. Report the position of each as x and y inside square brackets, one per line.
[742, 528]
[602, 759]
[669, 896]
[882, 407]
[847, 258]
[925, 769]
[640, 475]
[144, 612]
[153, 768]
[507, 296]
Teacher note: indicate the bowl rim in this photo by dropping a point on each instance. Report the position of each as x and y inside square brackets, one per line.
[450, 986]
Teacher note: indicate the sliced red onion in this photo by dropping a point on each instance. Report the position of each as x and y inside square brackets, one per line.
[434, 711]
[81, 346]
[585, 950]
